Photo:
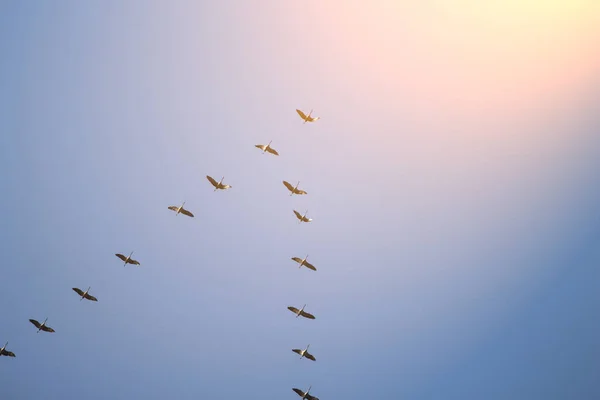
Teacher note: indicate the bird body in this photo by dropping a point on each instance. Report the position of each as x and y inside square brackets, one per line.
[267, 148]
[301, 312]
[217, 185]
[85, 295]
[4, 352]
[304, 353]
[293, 189]
[303, 262]
[302, 218]
[307, 118]
[42, 326]
[128, 259]
[181, 210]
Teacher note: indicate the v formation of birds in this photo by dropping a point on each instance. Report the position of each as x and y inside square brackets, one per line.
[302, 262]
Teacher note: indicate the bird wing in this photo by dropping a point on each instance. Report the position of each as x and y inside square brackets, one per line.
[309, 397]
[121, 256]
[301, 114]
[298, 191]
[297, 351]
[309, 356]
[134, 262]
[313, 119]
[297, 259]
[37, 324]
[212, 181]
[47, 329]
[293, 309]
[287, 185]
[174, 208]
[309, 265]
[272, 151]
[78, 291]
[8, 353]
[186, 212]
[307, 315]
[299, 392]
[90, 297]
[298, 215]
[260, 146]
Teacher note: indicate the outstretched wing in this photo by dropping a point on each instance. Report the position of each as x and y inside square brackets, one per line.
[309, 356]
[134, 262]
[301, 114]
[299, 392]
[309, 397]
[297, 259]
[47, 329]
[8, 353]
[287, 185]
[186, 212]
[37, 324]
[90, 297]
[78, 291]
[121, 256]
[260, 146]
[298, 191]
[293, 309]
[307, 315]
[212, 181]
[309, 266]
[297, 351]
[272, 151]
[298, 215]
[313, 119]
[173, 208]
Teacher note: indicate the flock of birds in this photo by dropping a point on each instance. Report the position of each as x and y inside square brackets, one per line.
[302, 262]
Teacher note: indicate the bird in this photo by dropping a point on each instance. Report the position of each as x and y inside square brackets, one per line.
[181, 210]
[292, 189]
[302, 218]
[267, 148]
[307, 118]
[304, 353]
[301, 312]
[128, 259]
[305, 395]
[303, 262]
[4, 352]
[85, 295]
[218, 185]
[42, 326]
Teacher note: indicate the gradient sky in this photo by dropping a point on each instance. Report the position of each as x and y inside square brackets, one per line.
[452, 179]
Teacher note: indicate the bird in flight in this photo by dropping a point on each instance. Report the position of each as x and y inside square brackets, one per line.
[85, 295]
[305, 395]
[181, 210]
[4, 352]
[304, 353]
[301, 312]
[307, 118]
[293, 189]
[42, 326]
[303, 262]
[267, 148]
[218, 185]
[128, 259]
[302, 218]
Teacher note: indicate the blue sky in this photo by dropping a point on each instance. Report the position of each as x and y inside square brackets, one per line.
[457, 251]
